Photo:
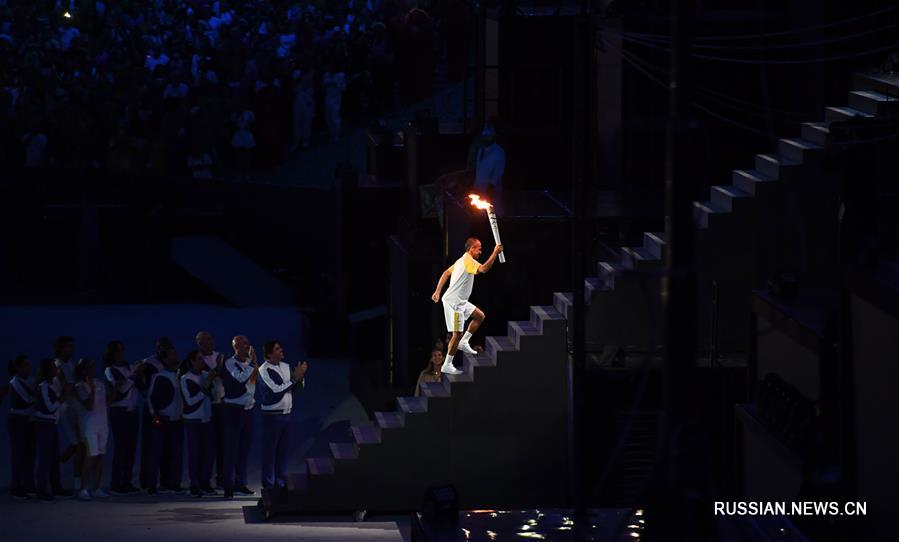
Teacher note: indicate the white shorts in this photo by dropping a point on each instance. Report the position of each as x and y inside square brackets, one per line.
[456, 315]
[95, 439]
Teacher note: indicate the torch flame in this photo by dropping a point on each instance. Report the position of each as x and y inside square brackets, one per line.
[67, 15]
[479, 203]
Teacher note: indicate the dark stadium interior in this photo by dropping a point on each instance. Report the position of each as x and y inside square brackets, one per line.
[698, 307]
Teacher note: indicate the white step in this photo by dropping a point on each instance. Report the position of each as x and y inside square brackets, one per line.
[727, 197]
[753, 182]
[638, 258]
[843, 114]
[607, 271]
[703, 211]
[798, 150]
[654, 242]
[873, 103]
[774, 166]
[816, 132]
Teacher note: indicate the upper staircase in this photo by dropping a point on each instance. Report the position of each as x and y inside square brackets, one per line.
[780, 215]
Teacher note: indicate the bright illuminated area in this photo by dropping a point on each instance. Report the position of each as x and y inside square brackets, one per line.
[449, 270]
[478, 202]
[550, 525]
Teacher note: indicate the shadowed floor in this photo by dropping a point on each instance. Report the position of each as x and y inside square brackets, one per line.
[143, 519]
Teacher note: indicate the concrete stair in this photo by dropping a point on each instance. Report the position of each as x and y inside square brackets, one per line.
[473, 430]
[613, 316]
[746, 231]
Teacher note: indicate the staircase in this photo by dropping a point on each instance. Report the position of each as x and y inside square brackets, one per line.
[779, 215]
[498, 433]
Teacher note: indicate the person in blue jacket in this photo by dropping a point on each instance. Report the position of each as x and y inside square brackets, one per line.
[277, 384]
[196, 387]
[239, 378]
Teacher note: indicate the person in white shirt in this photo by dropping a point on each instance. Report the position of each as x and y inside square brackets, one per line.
[456, 307]
[70, 412]
[215, 362]
[277, 384]
[239, 377]
[124, 418]
[196, 388]
[95, 424]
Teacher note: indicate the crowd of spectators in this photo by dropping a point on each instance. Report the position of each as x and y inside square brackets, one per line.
[200, 87]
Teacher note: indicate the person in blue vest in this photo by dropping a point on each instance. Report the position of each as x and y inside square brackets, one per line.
[196, 387]
[123, 415]
[21, 428]
[214, 363]
[150, 366]
[239, 378]
[167, 433]
[277, 384]
[49, 398]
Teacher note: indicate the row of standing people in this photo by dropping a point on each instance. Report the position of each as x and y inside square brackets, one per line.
[157, 401]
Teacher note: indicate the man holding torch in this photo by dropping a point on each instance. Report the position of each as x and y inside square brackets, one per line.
[456, 307]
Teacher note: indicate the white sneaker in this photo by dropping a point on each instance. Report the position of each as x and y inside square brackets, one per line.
[448, 368]
[84, 495]
[464, 346]
[99, 494]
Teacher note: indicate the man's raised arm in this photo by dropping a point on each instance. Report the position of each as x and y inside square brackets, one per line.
[484, 267]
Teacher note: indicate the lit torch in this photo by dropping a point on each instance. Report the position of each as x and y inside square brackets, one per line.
[491, 216]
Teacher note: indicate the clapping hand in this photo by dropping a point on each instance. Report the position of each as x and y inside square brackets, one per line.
[299, 372]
